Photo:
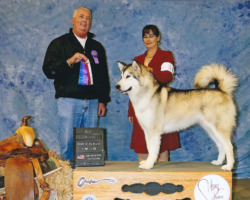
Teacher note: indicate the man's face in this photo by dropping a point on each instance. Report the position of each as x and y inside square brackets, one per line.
[81, 23]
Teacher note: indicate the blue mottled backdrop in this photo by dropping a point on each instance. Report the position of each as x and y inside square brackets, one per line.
[199, 32]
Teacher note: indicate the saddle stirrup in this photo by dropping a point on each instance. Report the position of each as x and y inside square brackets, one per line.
[45, 186]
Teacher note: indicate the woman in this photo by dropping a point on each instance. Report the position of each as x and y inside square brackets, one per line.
[161, 64]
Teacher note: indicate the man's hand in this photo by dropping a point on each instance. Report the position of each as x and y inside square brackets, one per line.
[102, 110]
[76, 58]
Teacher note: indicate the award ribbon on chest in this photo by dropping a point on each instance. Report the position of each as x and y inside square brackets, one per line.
[84, 75]
[95, 56]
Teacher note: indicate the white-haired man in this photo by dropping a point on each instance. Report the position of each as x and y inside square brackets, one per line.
[78, 65]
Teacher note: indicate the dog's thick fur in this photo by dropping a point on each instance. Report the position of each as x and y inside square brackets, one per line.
[161, 109]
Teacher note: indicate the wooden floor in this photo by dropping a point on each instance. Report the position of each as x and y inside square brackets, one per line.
[241, 189]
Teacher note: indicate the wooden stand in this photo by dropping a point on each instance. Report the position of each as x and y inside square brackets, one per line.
[123, 180]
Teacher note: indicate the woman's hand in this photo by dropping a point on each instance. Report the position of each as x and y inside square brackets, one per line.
[131, 120]
[150, 69]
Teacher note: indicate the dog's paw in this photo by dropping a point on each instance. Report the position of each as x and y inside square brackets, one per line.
[145, 165]
[142, 162]
[227, 167]
[216, 162]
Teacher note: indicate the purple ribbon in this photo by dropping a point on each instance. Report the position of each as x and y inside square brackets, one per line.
[95, 54]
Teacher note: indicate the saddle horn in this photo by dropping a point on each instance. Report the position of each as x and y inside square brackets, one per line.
[26, 132]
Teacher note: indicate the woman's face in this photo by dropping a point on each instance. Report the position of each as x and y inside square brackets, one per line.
[150, 40]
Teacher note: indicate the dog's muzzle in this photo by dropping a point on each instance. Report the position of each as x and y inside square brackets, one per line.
[118, 87]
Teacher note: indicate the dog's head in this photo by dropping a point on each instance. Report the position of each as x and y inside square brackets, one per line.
[131, 77]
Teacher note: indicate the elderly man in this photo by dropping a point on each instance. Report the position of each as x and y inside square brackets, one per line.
[78, 65]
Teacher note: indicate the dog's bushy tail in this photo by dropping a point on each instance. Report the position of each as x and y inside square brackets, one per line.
[216, 73]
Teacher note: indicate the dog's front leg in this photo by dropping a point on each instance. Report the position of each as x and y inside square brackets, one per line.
[153, 145]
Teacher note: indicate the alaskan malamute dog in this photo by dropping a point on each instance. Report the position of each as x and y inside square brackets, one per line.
[161, 109]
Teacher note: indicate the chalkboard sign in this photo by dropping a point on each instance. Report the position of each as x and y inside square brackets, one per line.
[88, 147]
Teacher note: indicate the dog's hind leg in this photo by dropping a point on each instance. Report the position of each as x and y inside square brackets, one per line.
[224, 145]
[211, 132]
[230, 156]
[227, 148]
[221, 155]
[153, 145]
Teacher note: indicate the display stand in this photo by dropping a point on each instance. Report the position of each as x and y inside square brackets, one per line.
[123, 180]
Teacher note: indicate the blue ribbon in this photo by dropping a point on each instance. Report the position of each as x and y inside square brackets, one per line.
[83, 75]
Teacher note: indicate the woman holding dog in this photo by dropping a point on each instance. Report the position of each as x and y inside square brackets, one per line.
[161, 64]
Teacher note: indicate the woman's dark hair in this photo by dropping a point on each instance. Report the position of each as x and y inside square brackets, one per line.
[149, 27]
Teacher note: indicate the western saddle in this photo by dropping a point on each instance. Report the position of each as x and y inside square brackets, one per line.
[21, 155]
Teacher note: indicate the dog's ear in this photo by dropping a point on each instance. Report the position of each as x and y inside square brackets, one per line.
[136, 66]
[120, 65]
